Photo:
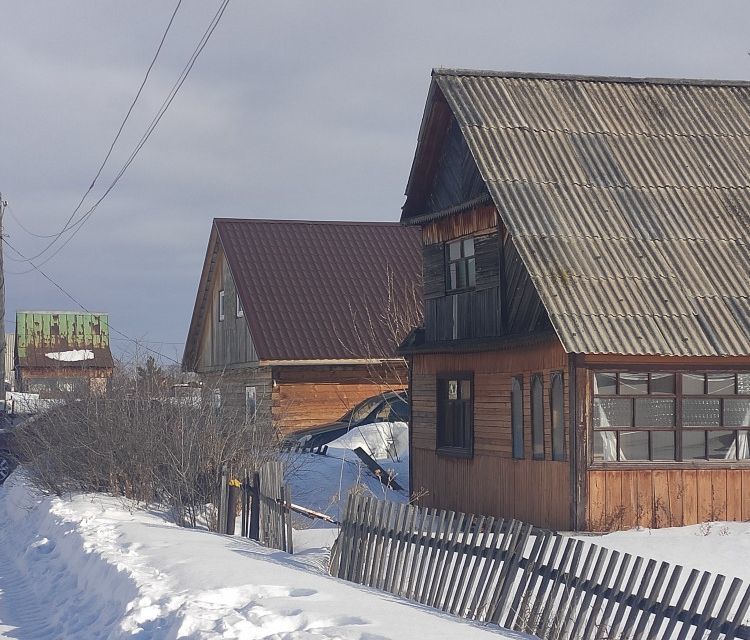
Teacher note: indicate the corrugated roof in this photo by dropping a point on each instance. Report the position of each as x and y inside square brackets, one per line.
[316, 290]
[41, 332]
[628, 199]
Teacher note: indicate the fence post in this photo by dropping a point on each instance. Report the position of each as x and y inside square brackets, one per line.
[233, 499]
[286, 514]
[245, 503]
[254, 532]
[222, 515]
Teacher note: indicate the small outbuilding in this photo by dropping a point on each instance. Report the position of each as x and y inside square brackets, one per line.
[585, 357]
[62, 353]
[295, 322]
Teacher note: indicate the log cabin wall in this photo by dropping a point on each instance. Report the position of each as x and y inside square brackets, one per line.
[309, 396]
[658, 494]
[231, 385]
[491, 481]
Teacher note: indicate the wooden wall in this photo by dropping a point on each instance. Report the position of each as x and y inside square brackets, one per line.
[666, 497]
[491, 482]
[309, 396]
[228, 342]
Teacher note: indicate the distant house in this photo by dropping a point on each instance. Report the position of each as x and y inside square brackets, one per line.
[585, 357]
[296, 322]
[59, 353]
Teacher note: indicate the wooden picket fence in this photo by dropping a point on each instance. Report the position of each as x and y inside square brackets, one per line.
[508, 573]
[264, 502]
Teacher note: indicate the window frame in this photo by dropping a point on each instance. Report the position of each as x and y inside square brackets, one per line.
[463, 259]
[239, 311]
[251, 418]
[518, 446]
[222, 305]
[466, 451]
[537, 377]
[561, 454]
[679, 428]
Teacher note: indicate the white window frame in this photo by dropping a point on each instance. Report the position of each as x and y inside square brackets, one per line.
[251, 404]
[238, 310]
[221, 305]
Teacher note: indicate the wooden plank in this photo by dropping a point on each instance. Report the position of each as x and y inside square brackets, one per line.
[599, 599]
[613, 508]
[618, 614]
[662, 515]
[398, 526]
[466, 559]
[708, 608]
[597, 501]
[719, 494]
[434, 569]
[694, 604]
[645, 580]
[734, 495]
[510, 568]
[589, 591]
[445, 561]
[676, 493]
[651, 600]
[443, 520]
[404, 549]
[490, 565]
[629, 481]
[645, 499]
[739, 616]
[705, 497]
[681, 600]
[745, 494]
[690, 497]
[574, 598]
[723, 615]
[571, 553]
[384, 547]
[622, 572]
[664, 601]
[515, 612]
[376, 545]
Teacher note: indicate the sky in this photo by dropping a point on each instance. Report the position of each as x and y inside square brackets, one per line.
[297, 110]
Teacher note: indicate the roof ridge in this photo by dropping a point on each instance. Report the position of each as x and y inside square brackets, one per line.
[378, 223]
[533, 75]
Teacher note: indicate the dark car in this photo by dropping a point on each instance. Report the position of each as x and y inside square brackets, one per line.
[386, 407]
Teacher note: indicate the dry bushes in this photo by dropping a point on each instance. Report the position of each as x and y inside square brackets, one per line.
[144, 445]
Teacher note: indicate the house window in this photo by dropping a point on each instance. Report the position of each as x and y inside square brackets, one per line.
[461, 267]
[664, 416]
[239, 311]
[557, 416]
[455, 423]
[537, 417]
[516, 416]
[251, 406]
[221, 305]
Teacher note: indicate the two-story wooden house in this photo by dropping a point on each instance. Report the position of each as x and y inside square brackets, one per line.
[295, 322]
[585, 357]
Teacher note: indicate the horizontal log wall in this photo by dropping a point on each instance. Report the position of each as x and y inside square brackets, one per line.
[491, 482]
[666, 497]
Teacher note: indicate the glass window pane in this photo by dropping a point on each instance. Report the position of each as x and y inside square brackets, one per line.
[558, 422]
[516, 413]
[468, 247]
[743, 383]
[693, 384]
[721, 445]
[605, 446]
[737, 412]
[537, 417]
[605, 384]
[461, 274]
[613, 412]
[743, 445]
[662, 383]
[465, 389]
[697, 412]
[721, 384]
[453, 277]
[654, 412]
[662, 445]
[452, 389]
[454, 250]
[633, 445]
[633, 383]
[693, 445]
[472, 272]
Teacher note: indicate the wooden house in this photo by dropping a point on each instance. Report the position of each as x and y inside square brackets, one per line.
[296, 322]
[585, 357]
[62, 353]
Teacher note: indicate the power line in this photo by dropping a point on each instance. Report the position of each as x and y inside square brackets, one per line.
[71, 297]
[78, 224]
[65, 227]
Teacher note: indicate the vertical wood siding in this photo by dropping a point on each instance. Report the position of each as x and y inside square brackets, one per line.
[492, 482]
[666, 497]
[227, 342]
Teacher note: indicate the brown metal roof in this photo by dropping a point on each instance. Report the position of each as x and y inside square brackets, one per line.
[319, 290]
[628, 199]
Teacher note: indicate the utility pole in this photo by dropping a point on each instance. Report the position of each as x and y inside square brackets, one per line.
[3, 346]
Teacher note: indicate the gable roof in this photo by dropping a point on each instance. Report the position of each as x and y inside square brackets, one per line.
[39, 333]
[628, 200]
[316, 290]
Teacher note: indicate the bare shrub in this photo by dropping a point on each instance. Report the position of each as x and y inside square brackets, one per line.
[136, 441]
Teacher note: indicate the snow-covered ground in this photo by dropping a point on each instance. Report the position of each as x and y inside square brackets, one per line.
[95, 567]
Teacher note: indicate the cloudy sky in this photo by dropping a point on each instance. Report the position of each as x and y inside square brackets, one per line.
[304, 109]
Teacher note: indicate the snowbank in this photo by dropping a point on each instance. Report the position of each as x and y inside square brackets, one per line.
[97, 567]
[74, 355]
[382, 440]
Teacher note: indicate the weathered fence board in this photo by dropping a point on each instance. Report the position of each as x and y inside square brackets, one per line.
[538, 582]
